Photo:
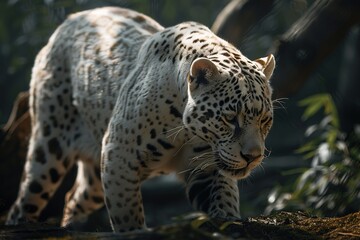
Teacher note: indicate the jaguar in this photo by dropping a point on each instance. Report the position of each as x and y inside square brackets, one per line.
[125, 99]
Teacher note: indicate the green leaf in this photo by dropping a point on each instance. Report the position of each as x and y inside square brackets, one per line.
[195, 224]
[316, 102]
[331, 137]
[308, 147]
[311, 99]
[227, 224]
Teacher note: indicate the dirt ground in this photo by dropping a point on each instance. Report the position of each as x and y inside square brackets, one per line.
[282, 225]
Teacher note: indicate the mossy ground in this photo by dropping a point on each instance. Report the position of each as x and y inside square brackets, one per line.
[282, 225]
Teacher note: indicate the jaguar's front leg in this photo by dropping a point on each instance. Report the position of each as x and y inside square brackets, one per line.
[214, 194]
[121, 184]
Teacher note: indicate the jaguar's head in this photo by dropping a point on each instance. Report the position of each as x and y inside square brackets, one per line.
[229, 106]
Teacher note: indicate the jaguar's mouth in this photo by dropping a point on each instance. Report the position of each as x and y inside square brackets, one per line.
[234, 171]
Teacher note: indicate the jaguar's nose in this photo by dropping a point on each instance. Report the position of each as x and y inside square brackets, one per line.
[251, 154]
[249, 157]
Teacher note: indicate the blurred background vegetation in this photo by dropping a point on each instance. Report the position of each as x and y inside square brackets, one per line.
[314, 143]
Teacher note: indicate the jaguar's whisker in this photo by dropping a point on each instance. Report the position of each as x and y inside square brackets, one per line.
[187, 142]
[175, 134]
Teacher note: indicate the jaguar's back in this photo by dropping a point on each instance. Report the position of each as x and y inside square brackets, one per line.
[91, 54]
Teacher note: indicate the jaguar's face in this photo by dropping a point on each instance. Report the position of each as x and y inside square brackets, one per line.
[233, 113]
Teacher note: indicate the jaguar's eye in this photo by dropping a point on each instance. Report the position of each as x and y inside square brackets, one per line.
[230, 118]
[232, 121]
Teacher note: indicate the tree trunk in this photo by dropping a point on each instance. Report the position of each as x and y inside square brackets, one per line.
[309, 41]
[347, 96]
[13, 147]
[238, 17]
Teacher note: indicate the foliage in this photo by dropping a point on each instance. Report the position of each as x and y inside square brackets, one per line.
[330, 186]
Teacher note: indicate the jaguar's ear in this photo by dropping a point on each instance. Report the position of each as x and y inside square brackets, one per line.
[267, 65]
[202, 71]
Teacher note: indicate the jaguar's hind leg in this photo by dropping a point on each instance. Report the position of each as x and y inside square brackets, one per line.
[86, 195]
[56, 126]
[47, 163]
